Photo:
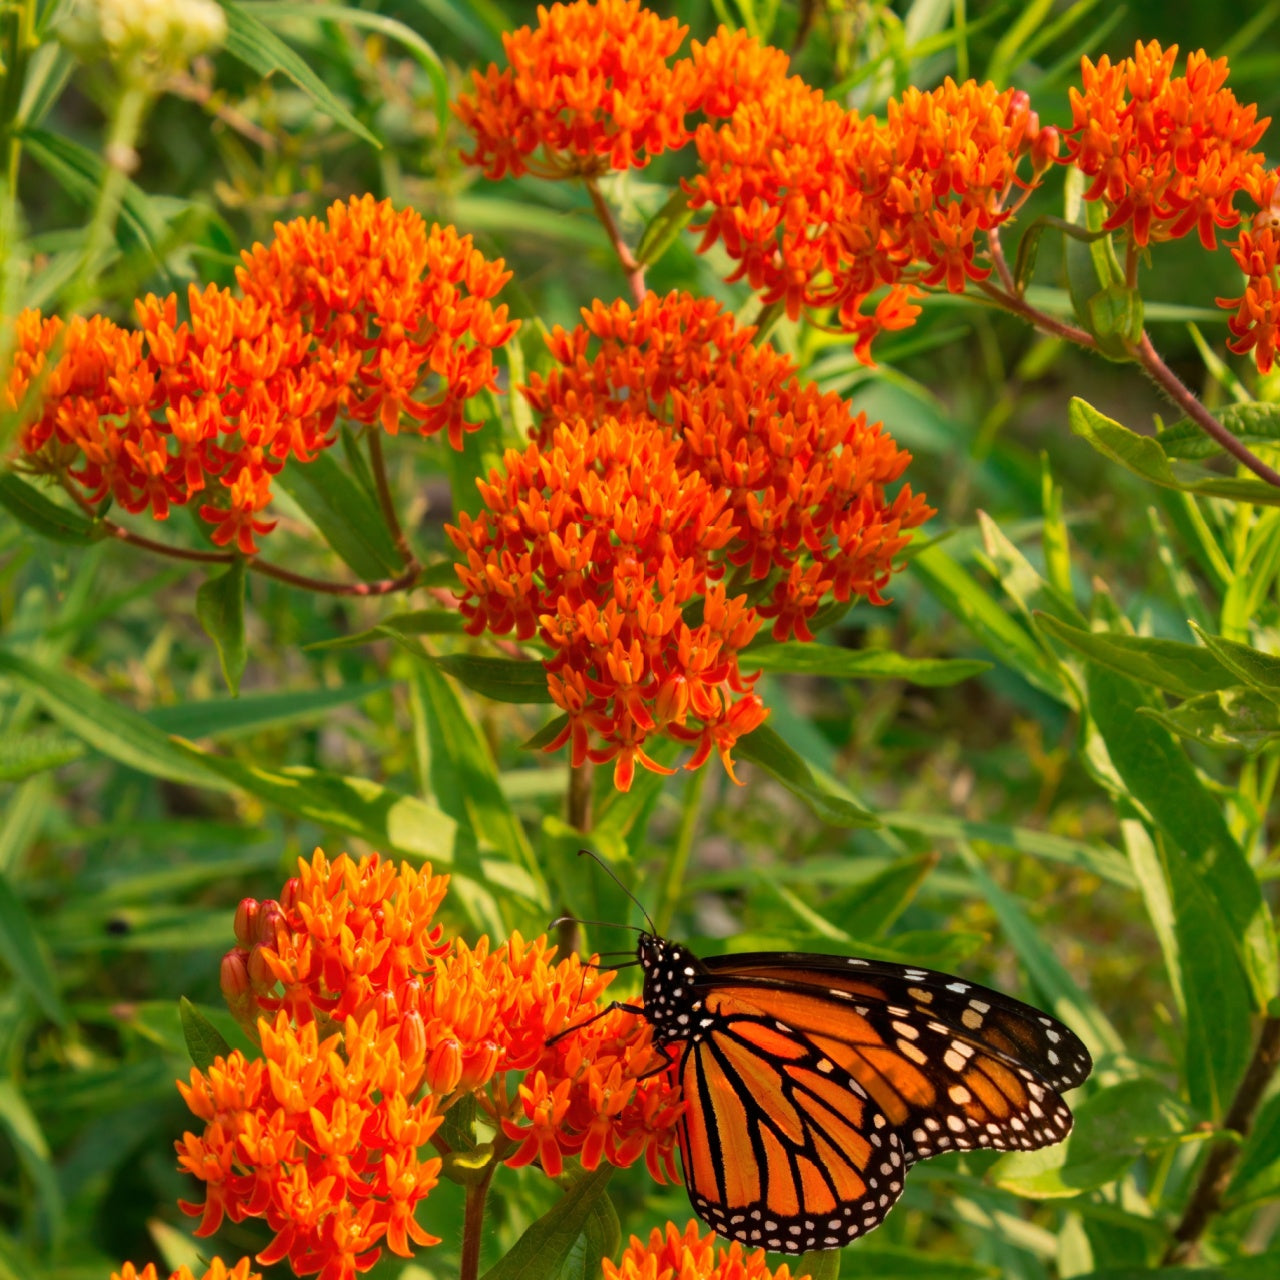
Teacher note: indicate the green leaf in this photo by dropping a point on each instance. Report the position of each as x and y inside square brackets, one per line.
[1144, 457]
[1239, 717]
[417, 622]
[1185, 670]
[885, 1262]
[600, 1238]
[346, 516]
[765, 748]
[389, 820]
[204, 1041]
[220, 611]
[261, 50]
[1261, 670]
[114, 730]
[219, 717]
[664, 228]
[797, 657]
[24, 955]
[1019, 578]
[25, 754]
[1159, 777]
[18, 1122]
[821, 1264]
[1257, 1175]
[961, 595]
[1113, 1127]
[49, 519]
[545, 1246]
[547, 734]
[464, 779]
[870, 909]
[502, 679]
[1253, 424]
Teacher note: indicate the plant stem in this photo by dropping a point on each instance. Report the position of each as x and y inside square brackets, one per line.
[677, 865]
[579, 797]
[386, 501]
[1033, 315]
[384, 587]
[472, 1225]
[634, 269]
[1206, 1198]
[1147, 356]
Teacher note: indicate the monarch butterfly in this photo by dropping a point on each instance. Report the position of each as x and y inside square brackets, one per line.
[813, 1082]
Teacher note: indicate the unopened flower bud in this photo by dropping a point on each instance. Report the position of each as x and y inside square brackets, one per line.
[270, 917]
[1045, 149]
[237, 988]
[246, 923]
[478, 1065]
[260, 973]
[444, 1067]
[411, 1037]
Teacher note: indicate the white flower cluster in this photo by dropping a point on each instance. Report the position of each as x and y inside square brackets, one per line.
[159, 33]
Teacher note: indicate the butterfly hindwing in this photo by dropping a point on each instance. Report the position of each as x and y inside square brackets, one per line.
[780, 1148]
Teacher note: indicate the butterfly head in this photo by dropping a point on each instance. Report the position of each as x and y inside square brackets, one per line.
[670, 998]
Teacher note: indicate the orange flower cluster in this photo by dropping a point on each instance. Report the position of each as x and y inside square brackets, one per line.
[820, 206]
[218, 1270]
[370, 316]
[1256, 324]
[1167, 153]
[589, 87]
[373, 1025]
[667, 450]
[672, 1254]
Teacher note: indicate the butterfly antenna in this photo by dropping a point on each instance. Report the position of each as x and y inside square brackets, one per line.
[599, 924]
[613, 875]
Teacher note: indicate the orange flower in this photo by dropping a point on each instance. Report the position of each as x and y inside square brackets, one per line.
[668, 447]
[1167, 153]
[370, 315]
[1256, 323]
[380, 1026]
[671, 1254]
[589, 89]
[218, 1270]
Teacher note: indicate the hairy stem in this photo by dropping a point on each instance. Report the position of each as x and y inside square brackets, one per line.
[386, 501]
[472, 1226]
[634, 269]
[1169, 382]
[1033, 315]
[1206, 1197]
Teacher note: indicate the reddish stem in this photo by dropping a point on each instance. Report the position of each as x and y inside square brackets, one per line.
[634, 269]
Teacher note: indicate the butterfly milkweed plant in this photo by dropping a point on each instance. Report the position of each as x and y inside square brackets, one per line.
[821, 461]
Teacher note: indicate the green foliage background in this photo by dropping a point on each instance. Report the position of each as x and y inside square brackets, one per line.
[1082, 820]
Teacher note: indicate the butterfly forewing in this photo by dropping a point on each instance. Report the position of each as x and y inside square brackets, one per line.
[953, 1064]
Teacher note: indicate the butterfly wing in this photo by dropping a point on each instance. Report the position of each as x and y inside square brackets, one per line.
[951, 1064]
[781, 1148]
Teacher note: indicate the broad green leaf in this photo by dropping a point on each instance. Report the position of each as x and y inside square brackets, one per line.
[1254, 423]
[1113, 1126]
[25, 1137]
[820, 1264]
[25, 754]
[417, 622]
[115, 731]
[220, 611]
[1185, 670]
[261, 50]
[797, 657]
[224, 717]
[600, 1238]
[664, 228]
[1070, 1004]
[961, 594]
[502, 679]
[24, 955]
[545, 1246]
[346, 516]
[1239, 717]
[1261, 670]
[1144, 457]
[49, 519]
[389, 820]
[765, 748]
[1099, 859]
[464, 778]
[204, 1041]
[870, 909]
[1159, 777]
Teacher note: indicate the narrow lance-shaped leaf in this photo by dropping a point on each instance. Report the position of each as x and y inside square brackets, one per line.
[49, 519]
[204, 1041]
[220, 610]
[765, 748]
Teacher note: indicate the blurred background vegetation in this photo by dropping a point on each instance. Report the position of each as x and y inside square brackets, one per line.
[1003, 854]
